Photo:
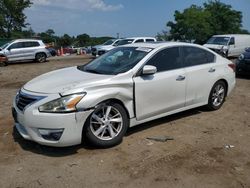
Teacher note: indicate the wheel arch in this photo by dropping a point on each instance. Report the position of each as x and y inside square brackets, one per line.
[110, 100]
[226, 83]
[40, 52]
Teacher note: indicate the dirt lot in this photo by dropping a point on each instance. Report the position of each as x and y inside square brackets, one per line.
[197, 157]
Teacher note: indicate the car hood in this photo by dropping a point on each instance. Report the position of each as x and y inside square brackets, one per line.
[63, 80]
[213, 46]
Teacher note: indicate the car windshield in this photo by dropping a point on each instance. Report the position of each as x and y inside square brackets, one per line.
[218, 40]
[109, 42]
[116, 61]
[4, 46]
[124, 41]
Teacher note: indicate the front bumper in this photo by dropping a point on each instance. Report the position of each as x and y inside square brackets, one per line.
[30, 121]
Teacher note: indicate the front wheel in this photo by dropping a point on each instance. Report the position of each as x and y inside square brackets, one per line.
[41, 57]
[217, 96]
[107, 125]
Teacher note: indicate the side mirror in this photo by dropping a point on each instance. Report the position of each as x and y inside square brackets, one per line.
[149, 70]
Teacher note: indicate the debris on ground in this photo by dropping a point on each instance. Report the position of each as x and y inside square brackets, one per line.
[160, 138]
[19, 169]
[229, 146]
[73, 164]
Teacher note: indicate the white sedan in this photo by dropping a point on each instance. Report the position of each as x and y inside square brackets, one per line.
[125, 87]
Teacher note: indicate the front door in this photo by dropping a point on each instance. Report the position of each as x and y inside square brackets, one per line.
[15, 51]
[165, 90]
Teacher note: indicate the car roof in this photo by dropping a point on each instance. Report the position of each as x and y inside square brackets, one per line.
[24, 40]
[161, 44]
[133, 38]
[230, 35]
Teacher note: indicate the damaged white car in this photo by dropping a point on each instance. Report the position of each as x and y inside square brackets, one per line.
[127, 86]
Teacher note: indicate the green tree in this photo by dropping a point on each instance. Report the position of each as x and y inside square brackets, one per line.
[223, 19]
[50, 32]
[199, 23]
[12, 17]
[65, 40]
[190, 25]
[83, 39]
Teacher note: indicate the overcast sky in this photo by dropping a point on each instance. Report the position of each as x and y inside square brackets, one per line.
[108, 17]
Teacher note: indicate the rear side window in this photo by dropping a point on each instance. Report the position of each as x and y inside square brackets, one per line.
[150, 40]
[30, 44]
[167, 59]
[195, 56]
[139, 40]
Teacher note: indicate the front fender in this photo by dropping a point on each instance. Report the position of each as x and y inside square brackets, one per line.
[95, 97]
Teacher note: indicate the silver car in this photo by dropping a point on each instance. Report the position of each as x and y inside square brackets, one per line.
[24, 49]
[125, 87]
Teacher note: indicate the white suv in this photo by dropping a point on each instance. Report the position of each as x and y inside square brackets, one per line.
[24, 49]
[105, 47]
[136, 40]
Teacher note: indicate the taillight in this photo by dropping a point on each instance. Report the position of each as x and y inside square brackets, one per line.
[232, 66]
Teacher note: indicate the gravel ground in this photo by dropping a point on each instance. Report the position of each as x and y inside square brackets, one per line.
[197, 157]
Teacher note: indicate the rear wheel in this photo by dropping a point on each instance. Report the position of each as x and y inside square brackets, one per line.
[217, 95]
[41, 57]
[107, 125]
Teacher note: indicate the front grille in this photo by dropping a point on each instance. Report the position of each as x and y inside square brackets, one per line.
[23, 100]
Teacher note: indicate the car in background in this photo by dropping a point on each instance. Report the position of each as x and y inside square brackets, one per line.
[52, 51]
[105, 47]
[124, 87]
[243, 63]
[229, 45]
[135, 40]
[24, 49]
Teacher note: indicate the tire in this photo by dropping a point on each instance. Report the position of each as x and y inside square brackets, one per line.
[3, 64]
[217, 96]
[41, 57]
[106, 126]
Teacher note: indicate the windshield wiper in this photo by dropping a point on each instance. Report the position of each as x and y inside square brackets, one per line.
[92, 71]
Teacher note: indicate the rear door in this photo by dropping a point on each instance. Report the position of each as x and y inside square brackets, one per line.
[165, 90]
[29, 49]
[201, 73]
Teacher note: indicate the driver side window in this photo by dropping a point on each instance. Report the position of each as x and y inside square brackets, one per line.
[232, 41]
[16, 45]
[166, 59]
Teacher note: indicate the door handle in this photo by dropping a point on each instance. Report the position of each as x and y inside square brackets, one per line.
[180, 78]
[211, 70]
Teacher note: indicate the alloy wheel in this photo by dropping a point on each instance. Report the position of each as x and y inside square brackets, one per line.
[106, 122]
[218, 95]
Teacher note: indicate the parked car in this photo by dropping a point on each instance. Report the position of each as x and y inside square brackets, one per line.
[243, 63]
[127, 86]
[105, 47]
[24, 49]
[136, 40]
[229, 45]
[52, 51]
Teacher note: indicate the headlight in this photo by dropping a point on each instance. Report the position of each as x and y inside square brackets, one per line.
[63, 104]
